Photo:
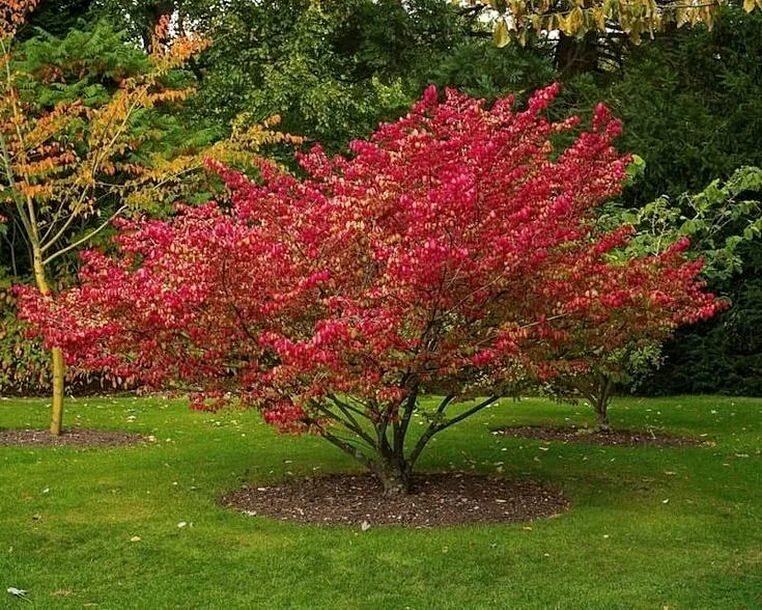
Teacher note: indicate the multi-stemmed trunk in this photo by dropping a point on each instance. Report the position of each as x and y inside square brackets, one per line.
[602, 417]
[597, 388]
[395, 476]
[381, 444]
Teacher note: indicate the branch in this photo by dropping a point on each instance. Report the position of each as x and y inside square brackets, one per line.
[348, 449]
[72, 216]
[84, 239]
[469, 10]
[9, 173]
[472, 411]
[434, 427]
[348, 409]
[356, 429]
[400, 430]
[348, 406]
[29, 221]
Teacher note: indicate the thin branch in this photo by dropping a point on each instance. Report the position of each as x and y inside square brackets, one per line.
[348, 449]
[435, 427]
[71, 217]
[472, 411]
[356, 429]
[349, 407]
[84, 239]
[400, 430]
[33, 235]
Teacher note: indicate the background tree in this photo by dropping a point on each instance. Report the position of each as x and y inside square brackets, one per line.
[724, 223]
[332, 70]
[456, 249]
[56, 17]
[588, 33]
[691, 101]
[719, 222]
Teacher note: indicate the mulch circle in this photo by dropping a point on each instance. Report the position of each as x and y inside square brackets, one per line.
[436, 499]
[612, 438]
[72, 437]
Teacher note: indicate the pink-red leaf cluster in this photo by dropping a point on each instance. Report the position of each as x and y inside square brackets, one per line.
[455, 249]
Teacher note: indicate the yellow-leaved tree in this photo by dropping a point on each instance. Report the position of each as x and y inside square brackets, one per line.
[578, 23]
[635, 18]
[68, 168]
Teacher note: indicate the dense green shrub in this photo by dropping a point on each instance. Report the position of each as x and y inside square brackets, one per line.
[691, 102]
[724, 355]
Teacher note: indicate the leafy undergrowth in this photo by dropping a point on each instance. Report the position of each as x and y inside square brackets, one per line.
[141, 527]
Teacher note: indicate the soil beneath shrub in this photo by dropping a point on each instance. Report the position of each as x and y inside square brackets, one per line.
[72, 437]
[436, 499]
[612, 438]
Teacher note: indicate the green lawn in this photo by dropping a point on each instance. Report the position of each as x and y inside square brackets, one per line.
[649, 528]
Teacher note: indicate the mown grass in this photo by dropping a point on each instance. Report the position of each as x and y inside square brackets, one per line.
[649, 527]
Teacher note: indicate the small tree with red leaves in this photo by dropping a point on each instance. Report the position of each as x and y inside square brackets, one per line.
[456, 249]
[630, 340]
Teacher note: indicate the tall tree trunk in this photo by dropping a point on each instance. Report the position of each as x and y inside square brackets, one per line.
[57, 359]
[576, 56]
[602, 416]
[57, 407]
[148, 19]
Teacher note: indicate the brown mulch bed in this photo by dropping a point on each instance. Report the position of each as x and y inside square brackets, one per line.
[612, 438]
[72, 437]
[437, 499]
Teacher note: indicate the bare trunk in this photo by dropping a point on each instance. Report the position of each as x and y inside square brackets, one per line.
[152, 13]
[395, 480]
[57, 406]
[601, 403]
[602, 417]
[57, 360]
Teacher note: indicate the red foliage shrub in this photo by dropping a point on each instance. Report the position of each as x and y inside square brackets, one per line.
[455, 249]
